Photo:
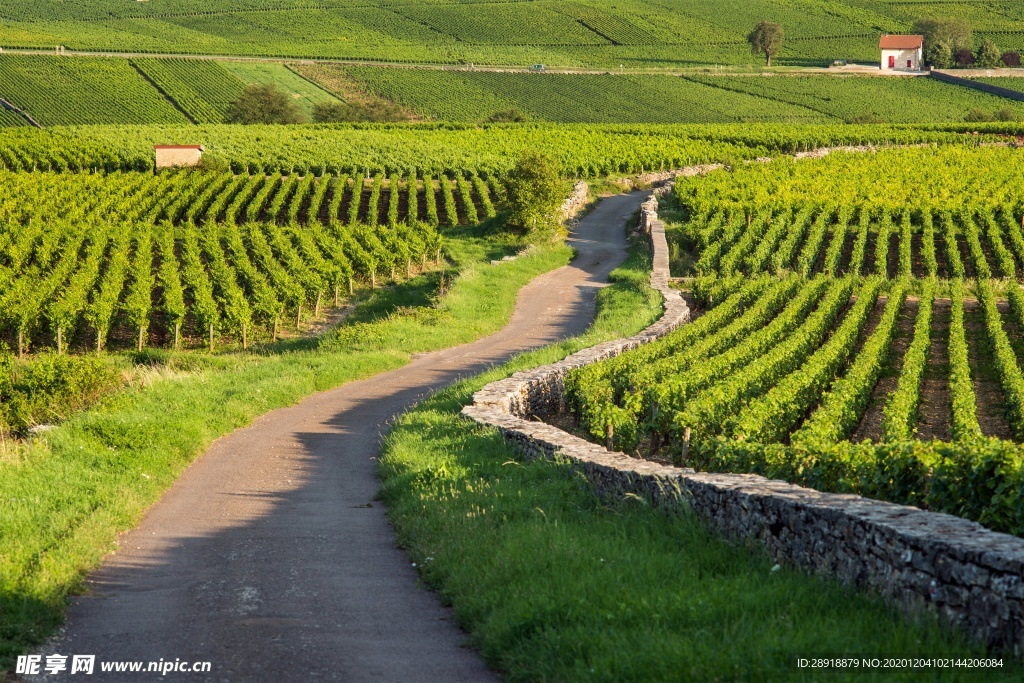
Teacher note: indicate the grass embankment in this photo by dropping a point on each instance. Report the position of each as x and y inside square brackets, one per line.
[65, 495]
[556, 585]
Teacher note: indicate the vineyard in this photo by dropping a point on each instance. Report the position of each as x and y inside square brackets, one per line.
[860, 329]
[585, 151]
[90, 90]
[596, 33]
[853, 98]
[59, 91]
[203, 90]
[135, 259]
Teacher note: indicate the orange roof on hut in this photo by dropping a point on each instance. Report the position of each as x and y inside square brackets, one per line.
[901, 42]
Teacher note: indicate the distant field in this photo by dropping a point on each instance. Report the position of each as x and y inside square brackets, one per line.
[851, 98]
[68, 90]
[475, 96]
[204, 89]
[304, 93]
[602, 33]
[92, 90]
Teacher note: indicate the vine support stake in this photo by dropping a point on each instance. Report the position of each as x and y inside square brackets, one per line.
[684, 452]
[211, 337]
[60, 340]
[609, 437]
[177, 335]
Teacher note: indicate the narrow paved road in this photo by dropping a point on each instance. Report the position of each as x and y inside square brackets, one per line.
[269, 557]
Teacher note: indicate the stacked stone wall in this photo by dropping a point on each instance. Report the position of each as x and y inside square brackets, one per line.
[968, 574]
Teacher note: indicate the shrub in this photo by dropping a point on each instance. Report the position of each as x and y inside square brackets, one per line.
[1011, 59]
[939, 55]
[964, 58]
[536, 190]
[263, 104]
[49, 387]
[989, 56]
[507, 116]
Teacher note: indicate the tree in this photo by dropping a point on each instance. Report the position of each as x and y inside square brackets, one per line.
[263, 104]
[766, 39]
[939, 55]
[956, 33]
[1011, 59]
[964, 58]
[989, 56]
[536, 191]
[507, 116]
[377, 111]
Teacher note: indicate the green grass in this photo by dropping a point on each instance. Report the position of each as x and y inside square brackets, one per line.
[67, 90]
[68, 493]
[555, 585]
[304, 93]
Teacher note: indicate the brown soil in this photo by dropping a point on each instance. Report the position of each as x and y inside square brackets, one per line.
[442, 214]
[940, 256]
[892, 259]
[870, 426]
[917, 266]
[403, 203]
[988, 392]
[847, 252]
[869, 253]
[965, 257]
[933, 410]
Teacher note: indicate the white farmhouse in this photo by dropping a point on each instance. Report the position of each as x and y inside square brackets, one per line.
[901, 53]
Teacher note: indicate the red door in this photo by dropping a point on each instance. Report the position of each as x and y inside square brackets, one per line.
[910, 64]
[892, 61]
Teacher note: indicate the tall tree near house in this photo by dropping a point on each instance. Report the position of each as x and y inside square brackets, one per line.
[766, 39]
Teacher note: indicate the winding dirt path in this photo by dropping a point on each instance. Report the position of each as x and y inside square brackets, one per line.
[270, 558]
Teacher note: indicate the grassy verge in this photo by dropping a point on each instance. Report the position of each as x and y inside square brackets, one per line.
[65, 495]
[555, 585]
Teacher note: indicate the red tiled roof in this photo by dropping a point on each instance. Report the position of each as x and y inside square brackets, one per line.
[901, 42]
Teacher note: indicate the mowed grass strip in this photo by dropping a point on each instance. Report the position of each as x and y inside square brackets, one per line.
[66, 495]
[555, 585]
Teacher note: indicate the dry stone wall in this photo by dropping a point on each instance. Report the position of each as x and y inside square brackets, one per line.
[968, 574]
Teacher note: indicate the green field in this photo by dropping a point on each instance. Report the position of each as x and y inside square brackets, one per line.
[66, 90]
[203, 89]
[601, 33]
[304, 93]
[10, 119]
[852, 98]
[85, 90]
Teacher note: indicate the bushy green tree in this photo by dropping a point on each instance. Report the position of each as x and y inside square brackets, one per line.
[766, 39]
[264, 104]
[989, 56]
[956, 33]
[536, 191]
[939, 55]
